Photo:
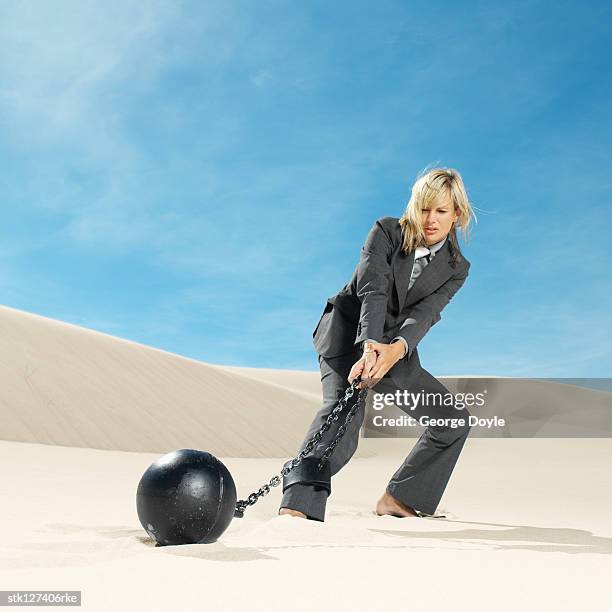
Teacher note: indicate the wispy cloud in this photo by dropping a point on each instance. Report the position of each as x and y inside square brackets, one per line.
[64, 65]
[260, 78]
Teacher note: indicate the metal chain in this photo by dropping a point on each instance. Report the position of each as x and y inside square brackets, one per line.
[242, 504]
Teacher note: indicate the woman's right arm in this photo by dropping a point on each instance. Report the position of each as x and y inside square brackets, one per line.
[426, 312]
[373, 278]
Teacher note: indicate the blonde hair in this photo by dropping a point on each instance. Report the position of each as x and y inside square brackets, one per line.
[426, 189]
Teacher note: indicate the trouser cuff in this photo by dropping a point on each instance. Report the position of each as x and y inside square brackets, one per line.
[307, 472]
[419, 506]
[308, 499]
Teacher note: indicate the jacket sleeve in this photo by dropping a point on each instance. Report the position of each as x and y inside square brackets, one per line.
[426, 312]
[372, 283]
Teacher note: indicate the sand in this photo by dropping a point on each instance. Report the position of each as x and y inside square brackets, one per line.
[83, 414]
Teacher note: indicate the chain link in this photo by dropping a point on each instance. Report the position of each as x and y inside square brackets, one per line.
[242, 504]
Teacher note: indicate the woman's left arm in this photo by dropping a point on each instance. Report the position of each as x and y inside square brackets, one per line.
[426, 312]
[420, 318]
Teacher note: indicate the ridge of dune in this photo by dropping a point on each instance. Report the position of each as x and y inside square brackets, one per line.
[305, 383]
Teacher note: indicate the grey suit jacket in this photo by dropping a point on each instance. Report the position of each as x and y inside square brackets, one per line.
[376, 304]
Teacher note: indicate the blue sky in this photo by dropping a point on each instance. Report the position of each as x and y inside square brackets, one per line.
[200, 176]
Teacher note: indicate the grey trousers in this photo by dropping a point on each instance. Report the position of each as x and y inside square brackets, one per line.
[421, 479]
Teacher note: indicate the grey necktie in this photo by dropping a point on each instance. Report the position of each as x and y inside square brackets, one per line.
[422, 257]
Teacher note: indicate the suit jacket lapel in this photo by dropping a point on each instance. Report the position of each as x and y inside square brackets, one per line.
[402, 269]
[436, 273]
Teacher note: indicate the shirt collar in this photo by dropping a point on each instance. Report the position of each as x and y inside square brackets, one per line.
[437, 246]
[433, 249]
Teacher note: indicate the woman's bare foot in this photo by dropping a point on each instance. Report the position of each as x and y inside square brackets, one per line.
[292, 512]
[387, 504]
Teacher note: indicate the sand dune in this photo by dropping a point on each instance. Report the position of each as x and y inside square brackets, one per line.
[67, 385]
[83, 414]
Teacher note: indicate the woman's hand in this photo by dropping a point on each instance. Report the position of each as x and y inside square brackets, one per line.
[362, 368]
[375, 364]
[388, 356]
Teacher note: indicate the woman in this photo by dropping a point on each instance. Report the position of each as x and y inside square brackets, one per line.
[408, 271]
